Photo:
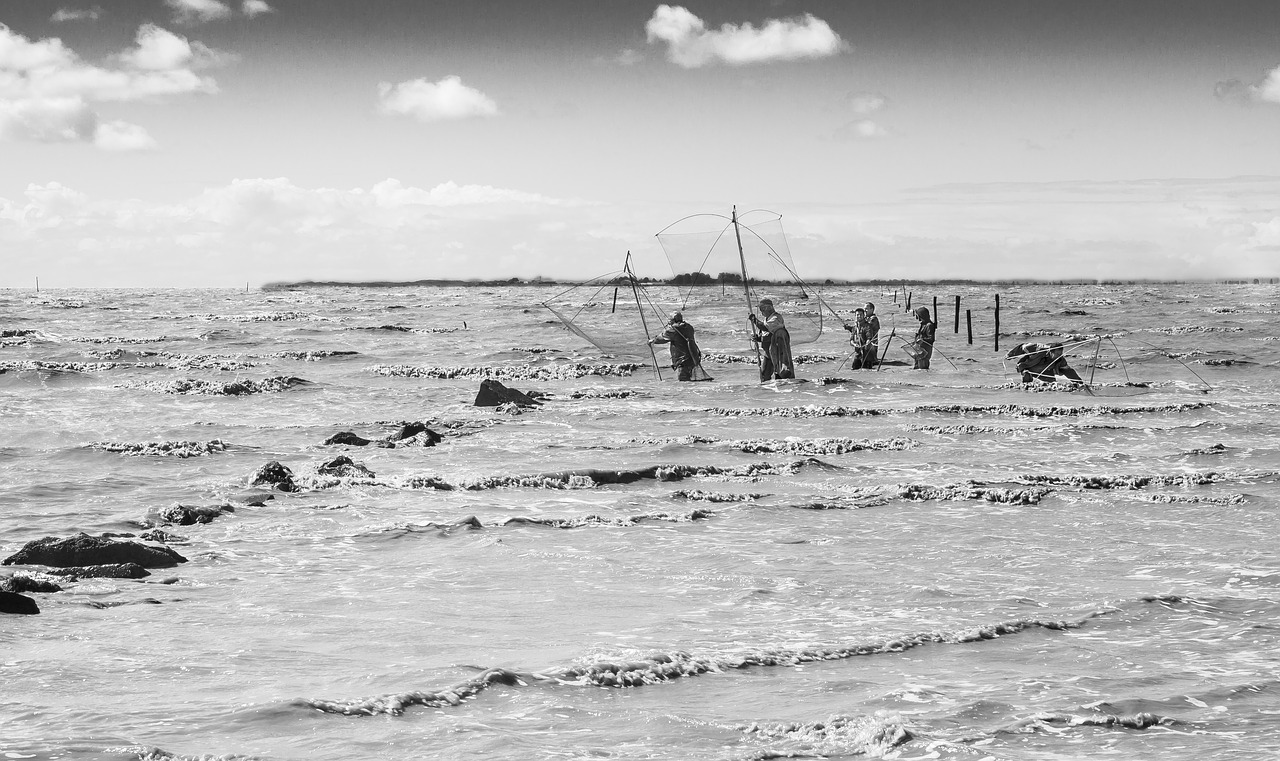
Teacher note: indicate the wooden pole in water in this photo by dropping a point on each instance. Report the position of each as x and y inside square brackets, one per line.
[746, 283]
[968, 321]
[935, 309]
[957, 315]
[615, 300]
[997, 322]
[37, 285]
[635, 290]
[908, 306]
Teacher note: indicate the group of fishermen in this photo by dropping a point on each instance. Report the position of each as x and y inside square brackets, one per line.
[1043, 362]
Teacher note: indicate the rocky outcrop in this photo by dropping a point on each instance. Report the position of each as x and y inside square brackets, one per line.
[492, 394]
[106, 571]
[409, 434]
[186, 515]
[12, 602]
[273, 475]
[19, 584]
[344, 467]
[85, 550]
[347, 438]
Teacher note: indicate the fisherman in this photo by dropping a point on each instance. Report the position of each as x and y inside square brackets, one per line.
[873, 336]
[921, 349]
[775, 341]
[859, 336]
[1043, 362]
[685, 354]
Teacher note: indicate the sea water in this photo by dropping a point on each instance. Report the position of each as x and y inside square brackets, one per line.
[895, 563]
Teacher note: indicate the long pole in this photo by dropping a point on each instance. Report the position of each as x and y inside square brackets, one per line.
[957, 330]
[997, 322]
[746, 286]
[643, 322]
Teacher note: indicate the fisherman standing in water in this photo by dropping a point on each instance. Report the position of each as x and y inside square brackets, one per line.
[775, 341]
[685, 354]
[921, 349]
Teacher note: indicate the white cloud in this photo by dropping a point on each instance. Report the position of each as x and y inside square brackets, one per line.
[122, 136]
[860, 129]
[691, 45]
[1268, 91]
[47, 120]
[46, 90]
[253, 8]
[196, 11]
[73, 14]
[434, 101]
[629, 57]
[867, 102]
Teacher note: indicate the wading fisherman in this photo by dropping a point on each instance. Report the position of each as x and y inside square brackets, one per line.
[775, 341]
[685, 354]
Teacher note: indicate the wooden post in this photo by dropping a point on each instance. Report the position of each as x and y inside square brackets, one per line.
[957, 315]
[934, 313]
[615, 301]
[968, 321]
[908, 306]
[997, 322]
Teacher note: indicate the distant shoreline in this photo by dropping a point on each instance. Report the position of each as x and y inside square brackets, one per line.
[829, 282]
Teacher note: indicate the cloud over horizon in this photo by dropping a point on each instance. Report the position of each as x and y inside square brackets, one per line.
[434, 101]
[1267, 90]
[691, 45]
[46, 90]
[269, 229]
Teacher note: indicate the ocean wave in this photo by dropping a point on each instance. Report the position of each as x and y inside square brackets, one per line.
[194, 386]
[838, 736]
[658, 668]
[59, 367]
[971, 491]
[510, 372]
[1017, 410]
[828, 446]
[1144, 480]
[287, 316]
[314, 355]
[182, 449]
[697, 495]
[122, 340]
[151, 753]
[1196, 499]
[1182, 330]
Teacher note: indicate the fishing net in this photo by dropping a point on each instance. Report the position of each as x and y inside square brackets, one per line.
[613, 313]
[716, 262]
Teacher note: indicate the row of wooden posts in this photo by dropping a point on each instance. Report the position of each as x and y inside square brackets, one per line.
[968, 314]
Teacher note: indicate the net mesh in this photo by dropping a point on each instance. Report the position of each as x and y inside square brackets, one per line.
[603, 312]
[703, 251]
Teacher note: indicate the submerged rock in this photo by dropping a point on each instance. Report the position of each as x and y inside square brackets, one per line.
[85, 550]
[347, 438]
[344, 467]
[107, 571]
[19, 584]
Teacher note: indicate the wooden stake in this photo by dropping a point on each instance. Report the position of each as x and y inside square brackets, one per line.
[934, 313]
[957, 315]
[968, 321]
[997, 322]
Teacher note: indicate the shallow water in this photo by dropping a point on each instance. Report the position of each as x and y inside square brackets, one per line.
[939, 564]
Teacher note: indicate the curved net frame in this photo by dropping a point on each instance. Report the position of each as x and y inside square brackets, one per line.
[703, 251]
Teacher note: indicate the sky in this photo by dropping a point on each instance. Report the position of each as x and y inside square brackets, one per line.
[219, 143]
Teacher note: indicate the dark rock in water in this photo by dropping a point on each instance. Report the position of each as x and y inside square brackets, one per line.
[418, 432]
[185, 515]
[162, 537]
[16, 333]
[492, 393]
[343, 467]
[12, 602]
[85, 550]
[18, 584]
[275, 476]
[395, 328]
[253, 498]
[108, 571]
[118, 603]
[349, 438]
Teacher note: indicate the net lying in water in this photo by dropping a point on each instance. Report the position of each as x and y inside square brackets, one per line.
[704, 254]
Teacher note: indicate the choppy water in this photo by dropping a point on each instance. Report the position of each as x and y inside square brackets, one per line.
[901, 564]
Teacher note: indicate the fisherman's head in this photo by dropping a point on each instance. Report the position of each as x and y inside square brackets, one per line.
[766, 307]
[870, 308]
[677, 318]
[921, 313]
